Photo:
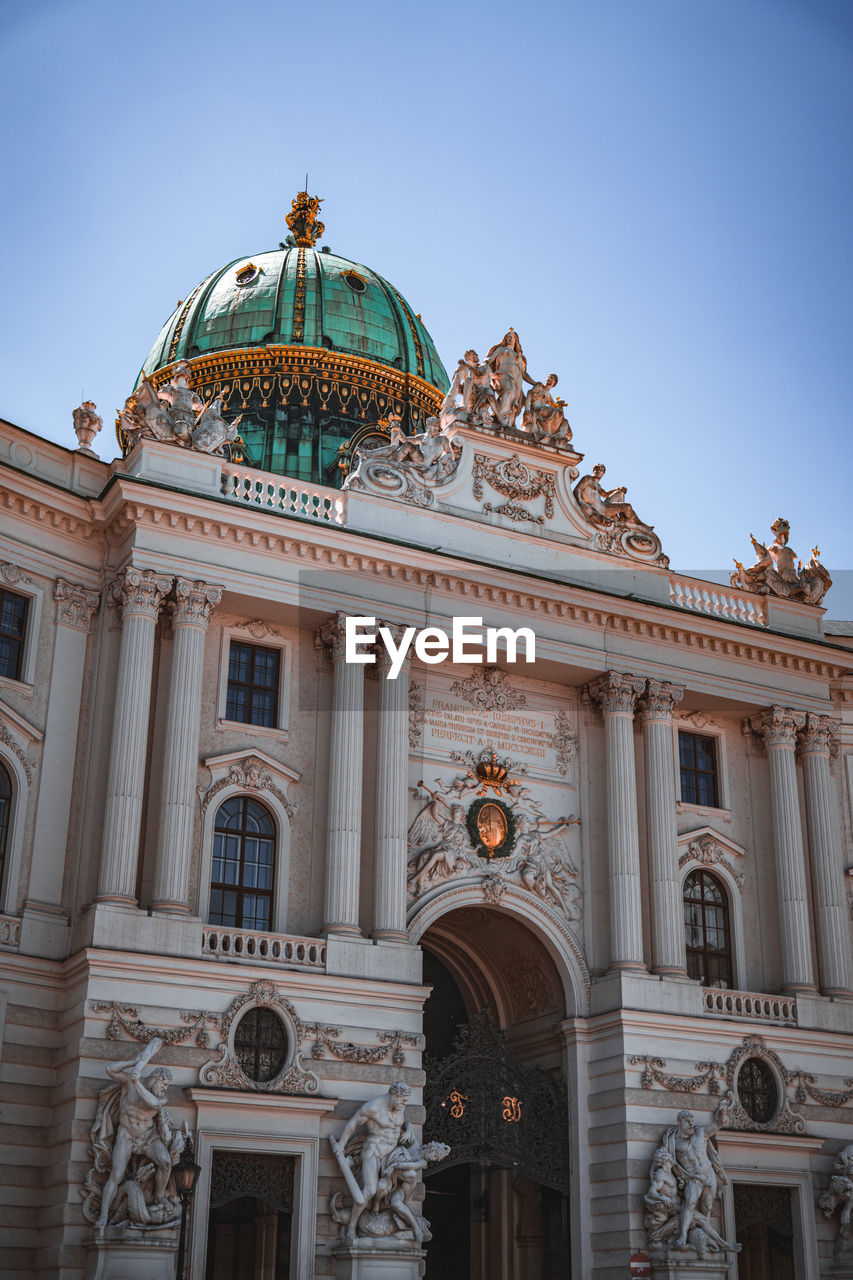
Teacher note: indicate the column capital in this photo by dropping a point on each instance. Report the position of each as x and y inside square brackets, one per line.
[383, 657]
[75, 605]
[660, 700]
[140, 591]
[615, 691]
[329, 638]
[778, 726]
[194, 602]
[820, 735]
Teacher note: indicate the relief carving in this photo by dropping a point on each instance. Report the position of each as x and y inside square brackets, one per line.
[518, 483]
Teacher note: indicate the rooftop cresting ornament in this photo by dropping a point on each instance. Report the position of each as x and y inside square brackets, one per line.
[302, 220]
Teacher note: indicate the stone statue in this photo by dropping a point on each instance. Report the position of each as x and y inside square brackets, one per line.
[472, 384]
[604, 506]
[546, 872]
[448, 849]
[133, 1143]
[543, 413]
[778, 572]
[389, 1159]
[840, 1196]
[87, 424]
[176, 415]
[408, 466]
[685, 1179]
[509, 374]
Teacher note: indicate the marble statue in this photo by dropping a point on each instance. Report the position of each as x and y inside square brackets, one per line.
[543, 412]
[603, 506]
[408, 466]
[839, 1195]
[87, 424]
[547, 873]
[176, 415]
[471, 385]
[685, 1178]
[778, 572]
[449, 849]
[134, 1146]
[509, 373]
[389, 1159]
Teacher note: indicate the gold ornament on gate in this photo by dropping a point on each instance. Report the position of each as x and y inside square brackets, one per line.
[492, 827]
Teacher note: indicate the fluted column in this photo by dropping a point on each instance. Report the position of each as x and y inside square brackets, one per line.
[779, 727]
[191, 609]
[138, 594]
[343, 838]
[616, 695]
[389, 884]
[668, 947]
[833, 937]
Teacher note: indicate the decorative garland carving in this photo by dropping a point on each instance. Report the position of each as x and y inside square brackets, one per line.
[417, 714]
[327, 1039]
[5, 736]
[488, 689]
[249, 775]
[125, 1017]
[713, 1074]
[13, 575]
[258, 629]
[515, 481]
[565, 742]
[710, 852]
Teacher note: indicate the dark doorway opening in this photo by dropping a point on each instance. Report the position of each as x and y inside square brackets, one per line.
[250, 1220]
[765, 1231]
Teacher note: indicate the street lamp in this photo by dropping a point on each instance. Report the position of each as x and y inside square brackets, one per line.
[184, 1176]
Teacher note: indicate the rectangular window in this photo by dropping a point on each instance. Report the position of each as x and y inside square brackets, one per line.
[253, 674]
[13, 627]
[697, 755]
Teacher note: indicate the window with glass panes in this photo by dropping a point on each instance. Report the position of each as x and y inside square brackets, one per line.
[260, 1044]
[13, 627]
[697, 756]
[253, 674]
[706, 930]
[241, 874]
[5, 815]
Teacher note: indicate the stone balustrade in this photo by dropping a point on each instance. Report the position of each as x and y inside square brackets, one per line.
[727, 603]
[283, 496]
[256, 945]
[750, 1006]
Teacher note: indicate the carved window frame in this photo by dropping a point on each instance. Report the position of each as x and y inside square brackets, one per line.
[218, 768]
[284, 646]
[731, 883]
[10, 885]
[723, 806]
[702, 870]
[34, 594]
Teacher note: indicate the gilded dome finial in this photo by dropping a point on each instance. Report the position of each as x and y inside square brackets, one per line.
[302, 220]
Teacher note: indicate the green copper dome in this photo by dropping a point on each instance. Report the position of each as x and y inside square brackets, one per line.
[315, 352]
[299, 296]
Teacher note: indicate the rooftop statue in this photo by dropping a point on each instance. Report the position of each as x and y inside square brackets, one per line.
[389, 1159]
[134, 1146]
[685, 1177]
[408, 466]
[778, 572]
[87, 424]
[543, 413]
[472, 382]
[509, 374]
[605, 506]
[176, 415]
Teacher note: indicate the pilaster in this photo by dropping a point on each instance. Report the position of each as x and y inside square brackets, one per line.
[389, 909]
[833, 934]
[668, 947]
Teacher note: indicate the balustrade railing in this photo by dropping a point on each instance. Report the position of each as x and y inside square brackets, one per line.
[270, 948]
[749, 1005]
[717, 601]
[283, 496]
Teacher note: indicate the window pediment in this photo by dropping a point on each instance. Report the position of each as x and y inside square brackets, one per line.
[248, 770]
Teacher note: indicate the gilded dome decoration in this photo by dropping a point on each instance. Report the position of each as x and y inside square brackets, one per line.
[312, 348]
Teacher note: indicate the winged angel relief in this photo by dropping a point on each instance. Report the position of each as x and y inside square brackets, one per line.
[538, 860]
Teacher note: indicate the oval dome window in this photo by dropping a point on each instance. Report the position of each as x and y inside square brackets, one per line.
[247, 274]
[356, 282]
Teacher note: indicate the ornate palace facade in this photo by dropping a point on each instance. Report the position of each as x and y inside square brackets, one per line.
[583, 924]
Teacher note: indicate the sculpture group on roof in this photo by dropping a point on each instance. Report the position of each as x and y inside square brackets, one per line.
[176, 415]
[407, 466]
[778, 572]
[491, 394]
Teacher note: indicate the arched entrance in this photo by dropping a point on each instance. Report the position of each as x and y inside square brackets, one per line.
[495, 1093]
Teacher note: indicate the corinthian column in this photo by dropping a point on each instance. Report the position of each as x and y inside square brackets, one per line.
[616, 695]
[779, 727]
[194, 603]
[833, 937]
[138, 594]
[343, 831]
[668, 948]
[389, 893]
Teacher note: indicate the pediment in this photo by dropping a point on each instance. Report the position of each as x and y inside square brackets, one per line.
[250, 770]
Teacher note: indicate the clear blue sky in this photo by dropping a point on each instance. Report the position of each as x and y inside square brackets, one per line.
[657, 194]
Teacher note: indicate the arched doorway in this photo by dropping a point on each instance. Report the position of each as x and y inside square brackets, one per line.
[495, 1093]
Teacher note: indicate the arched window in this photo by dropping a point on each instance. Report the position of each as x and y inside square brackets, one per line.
[241, 874]
[5, 817]
[706, 929]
